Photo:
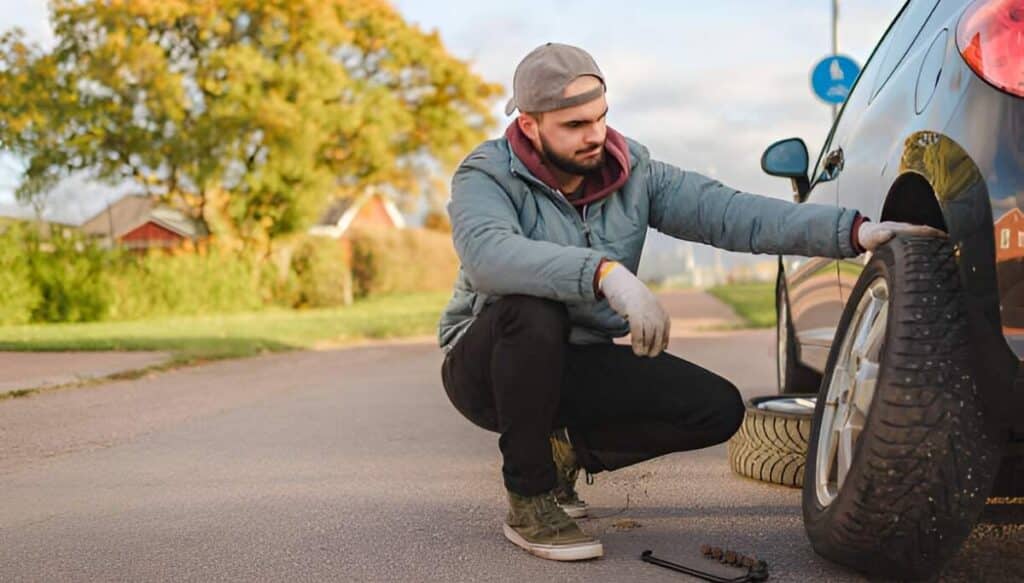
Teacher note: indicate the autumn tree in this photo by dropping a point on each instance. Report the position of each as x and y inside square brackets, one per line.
[437, 220]
[249, 114]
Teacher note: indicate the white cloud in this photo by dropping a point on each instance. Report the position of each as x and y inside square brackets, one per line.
[30, 15]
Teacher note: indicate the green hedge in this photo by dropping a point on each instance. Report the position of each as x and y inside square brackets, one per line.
[160, 284]
[60, 278]
[315, 275]
[401, 261]
[19, 295]
[64, 278]
[73, 283]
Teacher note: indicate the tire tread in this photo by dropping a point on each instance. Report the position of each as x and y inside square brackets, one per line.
[927, 457]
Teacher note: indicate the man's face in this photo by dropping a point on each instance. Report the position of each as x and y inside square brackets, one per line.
[572, 139]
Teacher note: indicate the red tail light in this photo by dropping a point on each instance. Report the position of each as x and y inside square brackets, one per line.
[991, 39]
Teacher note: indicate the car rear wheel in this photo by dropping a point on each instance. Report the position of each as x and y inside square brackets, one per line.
[901, 458]
[793, 377]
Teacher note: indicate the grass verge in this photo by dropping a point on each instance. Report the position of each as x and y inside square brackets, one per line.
[754, 302]
[197, 339]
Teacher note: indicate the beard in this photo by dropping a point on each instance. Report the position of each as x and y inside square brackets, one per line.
[570, 165]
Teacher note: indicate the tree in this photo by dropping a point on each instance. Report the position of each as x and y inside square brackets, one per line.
[249, 114]
[437, 220]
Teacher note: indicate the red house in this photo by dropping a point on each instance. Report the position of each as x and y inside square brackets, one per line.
[139, 222]
[372, 209]
[1010, 236]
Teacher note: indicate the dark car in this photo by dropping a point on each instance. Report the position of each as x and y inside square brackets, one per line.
[915, 349]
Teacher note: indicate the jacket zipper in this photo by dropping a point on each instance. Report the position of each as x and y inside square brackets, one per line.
[586, 225]
[557, 194]
[576, 216]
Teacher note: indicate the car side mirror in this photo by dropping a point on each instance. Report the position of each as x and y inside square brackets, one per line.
[788, 158]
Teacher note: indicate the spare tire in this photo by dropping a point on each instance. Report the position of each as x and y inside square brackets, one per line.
[771, 444]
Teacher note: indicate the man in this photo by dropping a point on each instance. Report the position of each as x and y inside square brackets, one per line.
[548, 223]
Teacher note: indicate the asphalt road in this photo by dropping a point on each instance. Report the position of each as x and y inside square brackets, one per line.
[350, 465]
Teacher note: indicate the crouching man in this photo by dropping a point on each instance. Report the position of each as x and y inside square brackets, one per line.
[549, 222]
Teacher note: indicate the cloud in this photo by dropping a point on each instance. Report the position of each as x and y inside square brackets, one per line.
[31, 15]
[75, 200]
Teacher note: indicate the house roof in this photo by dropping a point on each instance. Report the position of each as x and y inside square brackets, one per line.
[133, 211]
[334, 212]
[1012, 214]
[340, 214]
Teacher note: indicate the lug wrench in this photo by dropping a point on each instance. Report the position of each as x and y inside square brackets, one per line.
[757, 571]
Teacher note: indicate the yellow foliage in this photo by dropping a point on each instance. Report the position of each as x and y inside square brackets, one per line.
[252, 114]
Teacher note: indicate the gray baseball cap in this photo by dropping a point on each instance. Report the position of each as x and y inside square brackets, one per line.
[542, 76]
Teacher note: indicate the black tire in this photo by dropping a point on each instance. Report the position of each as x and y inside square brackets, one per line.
[1009, 482]
[792, 377]
[926, 458]
[771, 446]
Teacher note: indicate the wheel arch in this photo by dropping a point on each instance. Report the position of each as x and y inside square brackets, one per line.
[936, 181]
[911, 199]
[939, 184]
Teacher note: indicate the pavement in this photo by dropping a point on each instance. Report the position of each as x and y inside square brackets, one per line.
[37, 370]
[351, 465]
[695, 311]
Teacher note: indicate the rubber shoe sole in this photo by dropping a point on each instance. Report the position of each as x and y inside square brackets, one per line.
[575, 510]
[575, 552]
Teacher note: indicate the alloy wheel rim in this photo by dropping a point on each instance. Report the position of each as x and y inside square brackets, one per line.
[851, 390]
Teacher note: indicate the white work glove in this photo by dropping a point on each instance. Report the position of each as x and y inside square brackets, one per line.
[872, 235]
[648, 322]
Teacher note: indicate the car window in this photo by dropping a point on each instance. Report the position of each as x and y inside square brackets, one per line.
[908, 26]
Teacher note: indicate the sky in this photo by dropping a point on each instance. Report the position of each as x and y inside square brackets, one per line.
[704, 85]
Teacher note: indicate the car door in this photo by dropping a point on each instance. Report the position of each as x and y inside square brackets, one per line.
[812, 283]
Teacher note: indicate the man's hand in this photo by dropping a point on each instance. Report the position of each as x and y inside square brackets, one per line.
[872, 235]
[648, 322]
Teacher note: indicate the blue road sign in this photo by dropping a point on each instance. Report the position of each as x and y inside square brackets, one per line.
[833, 78]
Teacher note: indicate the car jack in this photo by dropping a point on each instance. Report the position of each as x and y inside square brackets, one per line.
[756, 570]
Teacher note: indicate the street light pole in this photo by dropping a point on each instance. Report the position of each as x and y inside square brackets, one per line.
[835, 46]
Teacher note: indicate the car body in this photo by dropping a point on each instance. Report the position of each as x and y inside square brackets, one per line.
[914, 349]
[925, 139]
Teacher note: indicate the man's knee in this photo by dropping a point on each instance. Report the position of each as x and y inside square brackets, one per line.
[722, 412]
[730, 409]
[544, 321]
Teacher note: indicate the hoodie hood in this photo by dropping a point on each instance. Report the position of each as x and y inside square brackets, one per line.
[596, 185]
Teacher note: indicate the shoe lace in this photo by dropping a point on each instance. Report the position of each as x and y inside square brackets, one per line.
[552, 515]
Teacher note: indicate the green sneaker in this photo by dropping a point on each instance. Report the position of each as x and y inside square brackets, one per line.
[567, 470]
[538, 525]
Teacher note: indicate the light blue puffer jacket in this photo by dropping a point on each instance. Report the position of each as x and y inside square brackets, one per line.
[516, 235]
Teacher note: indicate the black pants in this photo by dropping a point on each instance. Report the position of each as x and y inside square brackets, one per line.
[514, 372]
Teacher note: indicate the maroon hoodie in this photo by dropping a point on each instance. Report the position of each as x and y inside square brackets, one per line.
[597, 185]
